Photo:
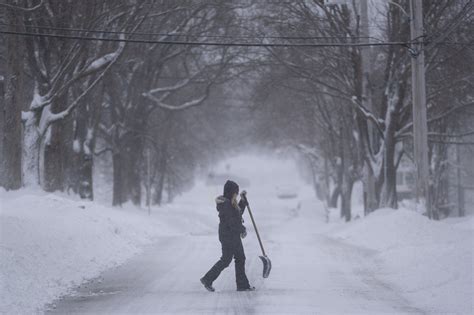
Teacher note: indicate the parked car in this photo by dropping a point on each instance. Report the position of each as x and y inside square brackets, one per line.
[287, 192]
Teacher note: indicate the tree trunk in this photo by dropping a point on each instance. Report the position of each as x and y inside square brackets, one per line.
[32, 147]
[82, 152]
[117, 198]
[132, 169]
[346, 196]
[316, 184]
[159, 190]
[11, 133]
[160, 185]
[327, 197]
[86, 188]
[369, 190]
[170, 190]
[460, 188]
[440, 191]
[388, 194]
[126, 183]
[53, 159]
[82, 181]
[134, 185]
[54, 150]
[334, 196]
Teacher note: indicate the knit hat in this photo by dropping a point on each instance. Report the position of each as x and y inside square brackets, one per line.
[230, 188]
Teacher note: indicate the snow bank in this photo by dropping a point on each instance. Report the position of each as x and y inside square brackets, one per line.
[430, 261]
[50, 243]
[466, 223]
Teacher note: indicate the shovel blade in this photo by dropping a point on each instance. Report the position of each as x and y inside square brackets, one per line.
[267, 266]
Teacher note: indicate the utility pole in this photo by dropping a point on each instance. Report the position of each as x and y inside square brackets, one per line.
[370, 199]
[420, 126]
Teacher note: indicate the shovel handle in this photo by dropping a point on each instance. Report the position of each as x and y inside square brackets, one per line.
[255, 227]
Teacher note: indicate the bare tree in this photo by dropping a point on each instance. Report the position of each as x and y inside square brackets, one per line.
[332, 79]
[12, 104]
[57, 66]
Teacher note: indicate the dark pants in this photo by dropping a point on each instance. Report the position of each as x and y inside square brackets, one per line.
[231, 247]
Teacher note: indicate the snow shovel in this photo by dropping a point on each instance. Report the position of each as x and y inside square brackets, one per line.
[267, 264]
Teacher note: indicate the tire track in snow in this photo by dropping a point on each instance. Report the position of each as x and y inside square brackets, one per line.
[163, 279]
[365, 268]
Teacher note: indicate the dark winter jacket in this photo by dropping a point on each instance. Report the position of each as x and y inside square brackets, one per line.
[230, 225]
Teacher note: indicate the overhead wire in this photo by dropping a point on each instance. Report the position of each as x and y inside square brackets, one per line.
[336, 41]
[288, 37]
[201, 43]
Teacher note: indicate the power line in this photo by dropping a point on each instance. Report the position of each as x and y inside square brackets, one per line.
[262, 37]
[456, 43]
[68, 29]
[203, 43]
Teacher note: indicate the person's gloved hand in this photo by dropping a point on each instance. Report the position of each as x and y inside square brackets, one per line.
[243, 198]
[243, 234]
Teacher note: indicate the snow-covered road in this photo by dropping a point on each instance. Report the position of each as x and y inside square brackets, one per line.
[311, 272]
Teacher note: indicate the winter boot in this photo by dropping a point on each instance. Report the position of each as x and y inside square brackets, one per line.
[207, 285]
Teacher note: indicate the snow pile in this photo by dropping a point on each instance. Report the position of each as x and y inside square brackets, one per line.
[50, 243]
[466, 223]
[431, 261]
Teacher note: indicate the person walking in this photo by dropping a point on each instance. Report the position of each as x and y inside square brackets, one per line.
[231, 232]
